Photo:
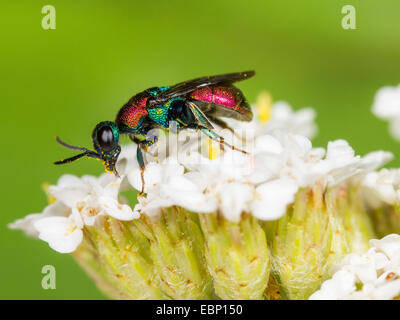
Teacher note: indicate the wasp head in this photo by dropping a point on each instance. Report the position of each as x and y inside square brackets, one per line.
[105, 138]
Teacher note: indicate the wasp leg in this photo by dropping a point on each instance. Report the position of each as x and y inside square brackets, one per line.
[140, 159]
[212, 135]
[224, 125]
[142, 145]
[147, 143]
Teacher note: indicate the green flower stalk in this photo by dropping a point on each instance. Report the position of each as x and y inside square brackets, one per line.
[237, 256]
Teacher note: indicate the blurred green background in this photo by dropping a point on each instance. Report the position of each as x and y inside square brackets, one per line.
[64, 81]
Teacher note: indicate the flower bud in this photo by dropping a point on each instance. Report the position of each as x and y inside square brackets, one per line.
[317, 231]
[237, 256]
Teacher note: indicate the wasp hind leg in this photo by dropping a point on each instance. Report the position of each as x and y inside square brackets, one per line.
[212, 135]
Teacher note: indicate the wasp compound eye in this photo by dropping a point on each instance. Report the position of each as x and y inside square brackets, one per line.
[105, 138]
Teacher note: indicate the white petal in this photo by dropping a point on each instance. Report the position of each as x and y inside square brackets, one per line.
[394, 127]
[171, 168]
[268, 143]
[234, 199]
[341, 284]
[267, 166]
[111, 189]
[281, 111]
[152, 176]
[374, 160]
[389, 245]
[388, 291]
[151, 207]
[363, 267]
[340, 151]
[387, 102]
[26, 224]
[127, 161]
[197, 178]
[272, 199]
[303, 143]
[185, 193]
[60, 233]
[117, 210]
[70, 189]
[303, 122]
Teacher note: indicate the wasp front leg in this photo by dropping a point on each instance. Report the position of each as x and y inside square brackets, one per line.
[142, 146]
[140, 159]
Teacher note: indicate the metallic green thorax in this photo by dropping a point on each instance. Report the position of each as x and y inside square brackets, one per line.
[162, 114]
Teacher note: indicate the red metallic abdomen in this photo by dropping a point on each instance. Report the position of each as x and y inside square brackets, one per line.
[224, 96]
[229, 97]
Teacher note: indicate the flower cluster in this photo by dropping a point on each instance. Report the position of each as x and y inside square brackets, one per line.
[372, 275]
[78, 202]
[262, 183]
[383, 185]
[221, 223]
[382, 196]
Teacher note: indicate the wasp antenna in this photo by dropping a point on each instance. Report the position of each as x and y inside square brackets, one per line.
[66, 145]
[78, 156]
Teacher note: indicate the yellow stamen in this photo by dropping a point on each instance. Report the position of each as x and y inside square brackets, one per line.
[263, 104]
[212, 150]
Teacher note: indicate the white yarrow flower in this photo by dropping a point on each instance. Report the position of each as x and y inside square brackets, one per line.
[383, 185]
[262, 183]
[373, 275]
[281, 117]
[78, 202]
[92, 197]
[387, 106]
[63, 234]
[27, 223]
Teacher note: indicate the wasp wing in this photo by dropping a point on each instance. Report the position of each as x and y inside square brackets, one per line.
[186, 87]
[200, 117]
